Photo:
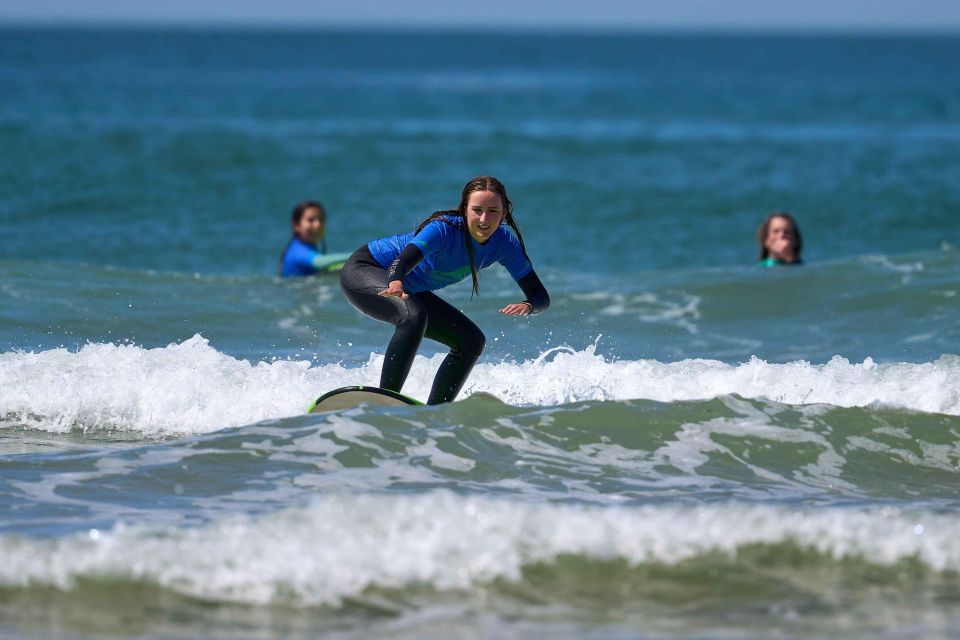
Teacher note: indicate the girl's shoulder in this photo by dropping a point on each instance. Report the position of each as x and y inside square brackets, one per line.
[507, 236]
[448, 220]
[298, 245]
[442, 226]
[442, 220]
[438, 234]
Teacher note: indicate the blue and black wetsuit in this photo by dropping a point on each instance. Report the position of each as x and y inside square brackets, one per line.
[429, 260]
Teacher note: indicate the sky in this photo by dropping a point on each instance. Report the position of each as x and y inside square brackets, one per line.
[841, 15]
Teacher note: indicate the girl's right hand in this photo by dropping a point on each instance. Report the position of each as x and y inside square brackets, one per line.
[394, 290]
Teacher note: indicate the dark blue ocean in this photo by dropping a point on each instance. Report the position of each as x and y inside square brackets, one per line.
[685, 445]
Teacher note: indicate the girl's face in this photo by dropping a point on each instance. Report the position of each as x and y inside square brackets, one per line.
[484, 214]
[310, 228]
[781, 240]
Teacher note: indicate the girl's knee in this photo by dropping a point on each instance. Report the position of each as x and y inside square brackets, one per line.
[473, 342]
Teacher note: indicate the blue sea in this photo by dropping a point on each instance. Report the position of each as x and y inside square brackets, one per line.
[685, 445]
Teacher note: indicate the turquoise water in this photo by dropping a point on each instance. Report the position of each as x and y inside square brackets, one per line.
[685, 445]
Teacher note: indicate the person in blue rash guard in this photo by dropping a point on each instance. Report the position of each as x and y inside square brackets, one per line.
[393, 280]
[302, 255]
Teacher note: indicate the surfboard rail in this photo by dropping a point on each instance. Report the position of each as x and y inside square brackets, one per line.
[352, 396]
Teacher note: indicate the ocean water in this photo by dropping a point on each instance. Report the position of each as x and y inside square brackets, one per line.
[684, 445]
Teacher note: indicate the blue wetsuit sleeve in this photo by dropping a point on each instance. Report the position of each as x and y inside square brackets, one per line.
[536, 293]
[432, 238]
[513, 258]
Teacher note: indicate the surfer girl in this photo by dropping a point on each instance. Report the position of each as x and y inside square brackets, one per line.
[303, 255]
[780, 240]
[393, 280]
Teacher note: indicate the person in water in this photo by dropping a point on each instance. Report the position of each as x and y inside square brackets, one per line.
[304, 254]
[780, 240]
[393, 279]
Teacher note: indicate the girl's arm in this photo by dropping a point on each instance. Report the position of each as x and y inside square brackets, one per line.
[537, 297]
[409, 258]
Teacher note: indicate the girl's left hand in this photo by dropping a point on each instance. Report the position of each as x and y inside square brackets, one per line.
[517, 309]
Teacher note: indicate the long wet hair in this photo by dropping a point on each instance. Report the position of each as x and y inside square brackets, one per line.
[765, 227]
[480, 183]
[295, 217]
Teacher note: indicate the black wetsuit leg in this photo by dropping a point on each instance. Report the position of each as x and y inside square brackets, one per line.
[446, 325]
[421, 314]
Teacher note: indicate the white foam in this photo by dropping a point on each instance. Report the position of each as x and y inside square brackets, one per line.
[569, 376]
[183, 388]
[340, 545]
[191, 387]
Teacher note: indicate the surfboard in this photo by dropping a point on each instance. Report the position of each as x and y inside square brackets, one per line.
[330, 262]
[347, 397]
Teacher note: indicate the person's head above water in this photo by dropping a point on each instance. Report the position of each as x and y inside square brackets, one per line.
[780, 240]
[308, 221]
[484, 205]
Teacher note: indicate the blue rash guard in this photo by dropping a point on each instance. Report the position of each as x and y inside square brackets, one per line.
[445, 258]
[298, 258]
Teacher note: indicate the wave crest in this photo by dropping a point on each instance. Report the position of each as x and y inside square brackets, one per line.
[340, 546]
[190, 387]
